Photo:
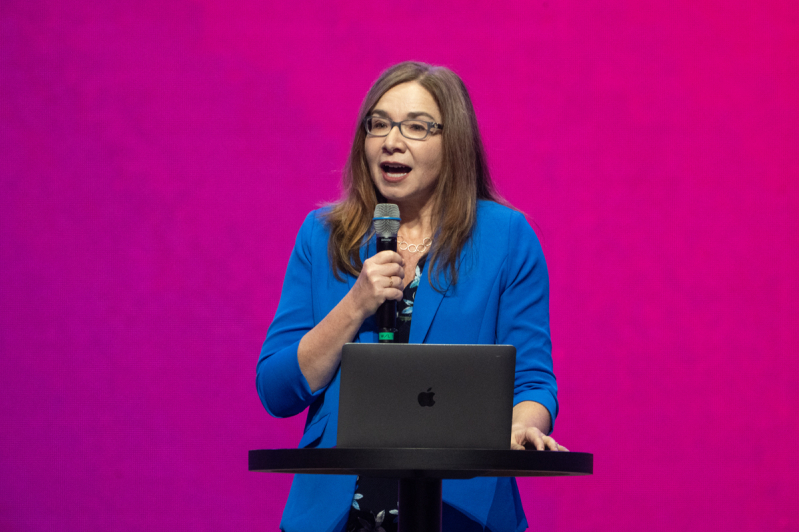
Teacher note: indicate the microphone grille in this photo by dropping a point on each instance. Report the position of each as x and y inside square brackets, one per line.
[386, 219]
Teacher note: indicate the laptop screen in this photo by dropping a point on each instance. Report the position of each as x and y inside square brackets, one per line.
[426, 396]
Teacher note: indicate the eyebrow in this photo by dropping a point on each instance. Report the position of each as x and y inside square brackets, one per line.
[411, 116]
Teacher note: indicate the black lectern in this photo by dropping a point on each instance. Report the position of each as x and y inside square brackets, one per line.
[420, 471]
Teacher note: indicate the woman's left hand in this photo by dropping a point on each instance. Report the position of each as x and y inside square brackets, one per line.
[529, 418]
[522, 438]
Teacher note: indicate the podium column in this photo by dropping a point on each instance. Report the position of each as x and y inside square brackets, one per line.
[419, 505]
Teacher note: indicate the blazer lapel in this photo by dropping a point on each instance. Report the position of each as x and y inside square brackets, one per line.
[425, 306]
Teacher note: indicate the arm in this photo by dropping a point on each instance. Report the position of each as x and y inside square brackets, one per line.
[281, 385]
[523, 321]
[319, 351]
[300, 357]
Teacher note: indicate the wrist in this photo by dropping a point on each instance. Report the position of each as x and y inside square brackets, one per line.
[351, 308]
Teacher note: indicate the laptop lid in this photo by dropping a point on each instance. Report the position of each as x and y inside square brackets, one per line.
[426, 396]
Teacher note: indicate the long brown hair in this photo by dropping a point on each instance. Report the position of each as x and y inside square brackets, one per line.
[463, 180]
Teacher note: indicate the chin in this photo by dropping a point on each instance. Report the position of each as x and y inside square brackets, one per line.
[388, 192]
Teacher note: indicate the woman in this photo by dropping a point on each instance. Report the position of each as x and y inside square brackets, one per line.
[469, 270]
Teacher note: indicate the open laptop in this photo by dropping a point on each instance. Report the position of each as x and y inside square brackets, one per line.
[426, 395]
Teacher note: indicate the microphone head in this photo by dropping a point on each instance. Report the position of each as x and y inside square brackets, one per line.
[386, 219]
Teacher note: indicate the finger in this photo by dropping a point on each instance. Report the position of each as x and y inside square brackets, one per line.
[391, 288]
[378, 274]
[535, 437]
[397, 294]
[516, 438]
[387, 270]
[394, 281]
[563, 449]
[388, 256]
[550, 443]
[515, 446]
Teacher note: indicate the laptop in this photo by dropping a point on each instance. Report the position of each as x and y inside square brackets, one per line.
[426, 396]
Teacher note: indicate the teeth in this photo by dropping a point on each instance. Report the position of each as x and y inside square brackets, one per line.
[395, 169]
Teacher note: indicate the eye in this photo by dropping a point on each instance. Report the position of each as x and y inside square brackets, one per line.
[417, 127]
[378, 124]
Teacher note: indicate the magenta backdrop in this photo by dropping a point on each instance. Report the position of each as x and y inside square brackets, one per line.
[158, 158]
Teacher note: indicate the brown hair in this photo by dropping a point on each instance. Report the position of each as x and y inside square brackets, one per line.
[463, 180]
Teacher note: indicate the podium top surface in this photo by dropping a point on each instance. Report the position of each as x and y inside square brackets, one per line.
[422, 463]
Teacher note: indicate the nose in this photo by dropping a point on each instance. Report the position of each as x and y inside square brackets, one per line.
[394, 141]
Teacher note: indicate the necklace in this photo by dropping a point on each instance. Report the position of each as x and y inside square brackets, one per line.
[414, 248]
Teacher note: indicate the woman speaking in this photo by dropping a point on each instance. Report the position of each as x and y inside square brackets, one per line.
[470, 266]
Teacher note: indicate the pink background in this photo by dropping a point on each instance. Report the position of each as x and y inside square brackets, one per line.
[158, 158]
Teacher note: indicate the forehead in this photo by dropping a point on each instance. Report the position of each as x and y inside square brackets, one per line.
[407, 98]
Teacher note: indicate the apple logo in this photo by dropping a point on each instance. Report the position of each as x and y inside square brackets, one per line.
[426, 398]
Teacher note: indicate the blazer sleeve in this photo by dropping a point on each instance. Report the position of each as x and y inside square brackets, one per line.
[282, 387]
[523, 317]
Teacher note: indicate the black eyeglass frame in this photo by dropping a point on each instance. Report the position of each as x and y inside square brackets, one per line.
[430, 126]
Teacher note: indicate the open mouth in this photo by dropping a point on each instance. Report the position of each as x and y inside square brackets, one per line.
[395, 169]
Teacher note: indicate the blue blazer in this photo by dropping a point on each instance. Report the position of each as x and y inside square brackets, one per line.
[501, 297]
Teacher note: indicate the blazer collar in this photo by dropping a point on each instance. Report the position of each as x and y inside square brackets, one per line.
[425, 307]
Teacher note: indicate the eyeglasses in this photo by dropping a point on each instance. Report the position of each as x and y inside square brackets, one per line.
[379, 126]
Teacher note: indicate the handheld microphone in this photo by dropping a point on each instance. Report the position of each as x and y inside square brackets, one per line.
[386, 223]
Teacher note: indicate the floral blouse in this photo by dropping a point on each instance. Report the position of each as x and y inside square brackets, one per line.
[374, 505]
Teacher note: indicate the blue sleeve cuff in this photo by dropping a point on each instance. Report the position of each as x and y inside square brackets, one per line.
[282, 387]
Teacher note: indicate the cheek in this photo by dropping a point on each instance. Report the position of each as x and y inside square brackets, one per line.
[434, 159]
[372, 150]
[371, 163]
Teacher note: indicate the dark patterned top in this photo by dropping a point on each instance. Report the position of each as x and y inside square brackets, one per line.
[374, 506]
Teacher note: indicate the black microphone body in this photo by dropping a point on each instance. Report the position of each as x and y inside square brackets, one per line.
[387, 311]
[386, 223]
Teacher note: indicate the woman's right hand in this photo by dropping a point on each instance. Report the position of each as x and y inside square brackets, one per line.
[380, 280]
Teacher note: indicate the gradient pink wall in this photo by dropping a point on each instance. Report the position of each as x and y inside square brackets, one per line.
[157, 160]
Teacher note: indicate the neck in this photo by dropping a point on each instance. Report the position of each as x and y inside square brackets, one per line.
[417, 220]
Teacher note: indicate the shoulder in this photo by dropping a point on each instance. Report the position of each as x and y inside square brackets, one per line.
[492, 208]
[497, 219]
[315, 218]
[505, 232]
[316, 221]
[314, 232]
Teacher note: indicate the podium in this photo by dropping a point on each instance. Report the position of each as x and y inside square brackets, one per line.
[420, 471]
